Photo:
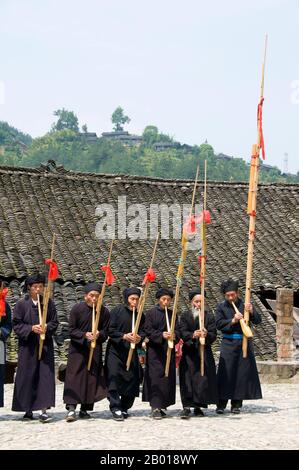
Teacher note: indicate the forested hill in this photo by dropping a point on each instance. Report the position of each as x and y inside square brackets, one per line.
[152, 154]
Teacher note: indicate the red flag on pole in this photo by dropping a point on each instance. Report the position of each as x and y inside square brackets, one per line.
[109, 276]
[53, 269]
[150, 276]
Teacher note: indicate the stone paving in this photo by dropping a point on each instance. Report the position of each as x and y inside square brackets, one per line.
[271, 423]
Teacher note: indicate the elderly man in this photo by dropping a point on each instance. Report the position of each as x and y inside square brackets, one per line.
[197, 391]
[158, 389]
[123, 384]
[83, 386]
[237, 377]
[35, 379]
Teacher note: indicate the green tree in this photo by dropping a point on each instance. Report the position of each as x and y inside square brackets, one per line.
[150, 135]
[118, 118]
[66, 120]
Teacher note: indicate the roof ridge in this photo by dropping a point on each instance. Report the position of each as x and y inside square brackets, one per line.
[61, 172]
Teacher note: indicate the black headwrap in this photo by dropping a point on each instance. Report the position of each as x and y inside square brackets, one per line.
[92, 286]
[194, 292]
[164, 291]
[131, 291]
[229, 285]
[37, 278]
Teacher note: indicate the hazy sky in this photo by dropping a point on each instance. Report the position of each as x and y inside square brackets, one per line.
[191, 67]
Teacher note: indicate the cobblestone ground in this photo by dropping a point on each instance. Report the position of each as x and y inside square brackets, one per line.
[271, 423]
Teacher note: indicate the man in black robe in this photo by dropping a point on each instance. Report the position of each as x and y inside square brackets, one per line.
[123, 385]
[5, 330]
[197, 391]
[237, 377]
[35, 379]
[83, 386]
[158, 389]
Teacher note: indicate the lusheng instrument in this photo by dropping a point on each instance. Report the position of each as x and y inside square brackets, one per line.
[109, 278]
[149, 277]
[245, 327]
[180, 271]
[52, 276]
[252, 197]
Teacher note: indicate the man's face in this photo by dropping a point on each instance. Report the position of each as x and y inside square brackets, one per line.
[231, 296]
[196, 302]
[164, 301]
[36, 289]
[133, 301]
[92, 297]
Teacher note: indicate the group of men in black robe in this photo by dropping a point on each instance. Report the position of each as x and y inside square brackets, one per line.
[236, 378]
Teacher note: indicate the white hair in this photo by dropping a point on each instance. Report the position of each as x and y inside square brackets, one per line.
[195, 312]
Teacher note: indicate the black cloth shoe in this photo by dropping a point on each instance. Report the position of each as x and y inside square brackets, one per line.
[198, 412]
[156, 414]
[44, 418]
[117, 415]
[185, 413]
[28, 416]
[219, 411]
[235, 410]
[71, 416]
[84, 415]
[163, 414]
[125, 414]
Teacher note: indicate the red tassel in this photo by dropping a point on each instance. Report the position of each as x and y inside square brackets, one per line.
[192, 221]
[190, 224]
[260, 126]
[3, 295]
[207, 217]
[150, 276]
[178, 352]
[253, 213]
[53, 269]
[109, 276]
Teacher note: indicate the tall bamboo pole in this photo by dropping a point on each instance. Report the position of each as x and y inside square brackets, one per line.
[98, 310]
[141, 304]
[251, 207]
[47, 295]
[179, 278]
[202, 341]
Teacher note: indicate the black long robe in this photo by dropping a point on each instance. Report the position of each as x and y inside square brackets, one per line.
[159, 390]
[83, 386]
[35, 379]
[237, 377]
[5, 330]
[126, 383]
[197, 390]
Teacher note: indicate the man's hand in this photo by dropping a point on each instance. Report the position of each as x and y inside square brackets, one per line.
[238, 316]
[37, 329]
[89, 336]
[200, 333]
[168, 336]
[132, 338]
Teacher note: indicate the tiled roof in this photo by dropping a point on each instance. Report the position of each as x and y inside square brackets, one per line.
[34, 203]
